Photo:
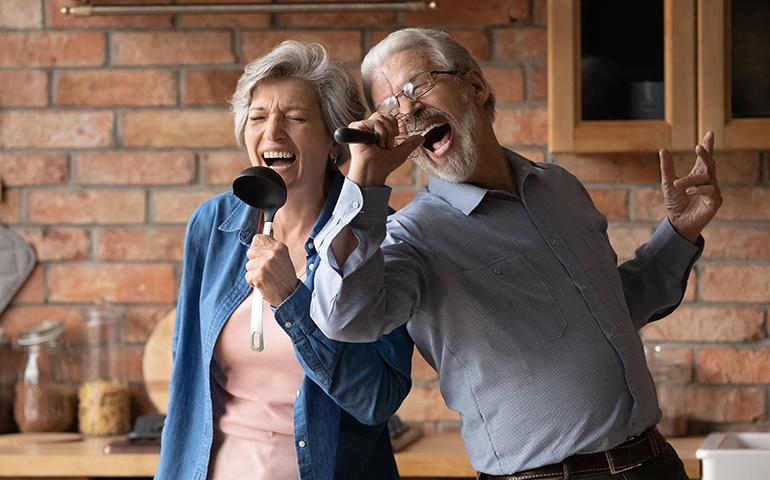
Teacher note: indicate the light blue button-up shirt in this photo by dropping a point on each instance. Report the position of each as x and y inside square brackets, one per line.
[517, 302]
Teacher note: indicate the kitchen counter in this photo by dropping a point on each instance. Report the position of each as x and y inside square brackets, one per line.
[440, 455]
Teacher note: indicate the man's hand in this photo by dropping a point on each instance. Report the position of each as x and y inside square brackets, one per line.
[370, 165]
[270, 270]
[691, 201]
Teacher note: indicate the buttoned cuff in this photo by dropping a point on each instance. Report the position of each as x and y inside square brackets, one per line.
[292, 314]
[672, 250]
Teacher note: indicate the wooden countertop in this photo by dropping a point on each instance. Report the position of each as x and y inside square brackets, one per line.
[441, 455]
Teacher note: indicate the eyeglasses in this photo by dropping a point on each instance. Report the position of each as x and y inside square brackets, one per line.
[414, 88]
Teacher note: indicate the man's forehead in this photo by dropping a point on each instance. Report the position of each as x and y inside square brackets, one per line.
[397, 69]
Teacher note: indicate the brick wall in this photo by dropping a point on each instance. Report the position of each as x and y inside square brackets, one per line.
[113, 128]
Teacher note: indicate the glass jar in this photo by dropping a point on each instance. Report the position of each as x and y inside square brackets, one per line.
[104, 399]
[7, 375]
[42, 402]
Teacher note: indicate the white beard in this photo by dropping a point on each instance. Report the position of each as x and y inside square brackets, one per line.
[462, 160]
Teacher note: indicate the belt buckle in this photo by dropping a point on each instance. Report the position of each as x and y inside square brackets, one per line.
[614, 470]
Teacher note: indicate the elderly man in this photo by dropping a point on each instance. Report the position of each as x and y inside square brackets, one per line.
[502, 271]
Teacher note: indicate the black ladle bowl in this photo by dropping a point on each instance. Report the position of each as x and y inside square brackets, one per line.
[262, 188]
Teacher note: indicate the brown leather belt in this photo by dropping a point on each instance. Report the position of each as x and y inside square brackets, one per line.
[625, 456]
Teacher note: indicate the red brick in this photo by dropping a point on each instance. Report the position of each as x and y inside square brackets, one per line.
[20, 14]
[18, 318]
[421, 370]
[425, 404]
[171, 48]
[344, 45]
[717, 404]
[690, 291]
[540, 13]
[52, 243]
[612, 203]
[735, 283]
[140, 321]
[732, 167]
[745, 203]
[135, 168]
[55, 19]
[669, 365]
[729, 241]
[625, 240]
[520, 44]
[518, 10]
[523, 126]
[333, 19]
[33, 290]
[178, 128]
[10, 207]
[236, 20]
[209, 87]
[507, 83]
[160, 243]
[538, 83]
[612, 168]
[86, 206]
[703, 324]
[475, 41]
[23, 88]
[403, 176]
[55, 129]
[44, 49]
[116, 87]
[220, 168]
[145, 283]
[399, 198]
[38, 168]
[462, 12]
[647, 204]
[177, 206]
[733, 365]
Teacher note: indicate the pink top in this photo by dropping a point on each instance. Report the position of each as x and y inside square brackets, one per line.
[253, 399]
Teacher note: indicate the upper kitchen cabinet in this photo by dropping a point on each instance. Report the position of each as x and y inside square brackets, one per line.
[734, 72]
[621, 75]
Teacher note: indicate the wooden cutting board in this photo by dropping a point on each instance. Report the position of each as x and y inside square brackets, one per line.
[156, 361]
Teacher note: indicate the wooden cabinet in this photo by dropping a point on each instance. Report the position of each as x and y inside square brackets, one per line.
[693, 80]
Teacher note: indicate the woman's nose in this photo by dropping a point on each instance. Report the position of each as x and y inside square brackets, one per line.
[274, 128]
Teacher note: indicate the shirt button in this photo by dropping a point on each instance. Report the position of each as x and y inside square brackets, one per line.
[301, 444]
[310, 246]
[355, 204]
[497, 272]
[287, 324]
[298, 393]
[311, 266]
[555, 242]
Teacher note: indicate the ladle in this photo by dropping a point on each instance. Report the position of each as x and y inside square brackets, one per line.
[262, 188]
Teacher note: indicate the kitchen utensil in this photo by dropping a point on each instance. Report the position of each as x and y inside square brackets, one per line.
[262, 188]
[156, 361]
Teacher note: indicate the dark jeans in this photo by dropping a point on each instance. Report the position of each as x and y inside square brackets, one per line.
[667, 466]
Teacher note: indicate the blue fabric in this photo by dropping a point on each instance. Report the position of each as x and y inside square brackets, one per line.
[516, 301]
[370, 381]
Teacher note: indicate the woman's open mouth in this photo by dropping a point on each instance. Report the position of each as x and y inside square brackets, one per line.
[279, 160]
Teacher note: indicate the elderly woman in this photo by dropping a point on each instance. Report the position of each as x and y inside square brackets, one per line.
[237, 413]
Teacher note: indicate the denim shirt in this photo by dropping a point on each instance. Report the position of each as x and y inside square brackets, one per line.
[345, 438]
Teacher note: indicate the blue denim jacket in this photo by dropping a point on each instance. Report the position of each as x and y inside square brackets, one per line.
[368, 383]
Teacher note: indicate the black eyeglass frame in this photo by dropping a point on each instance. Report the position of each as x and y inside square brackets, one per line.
[392, 100]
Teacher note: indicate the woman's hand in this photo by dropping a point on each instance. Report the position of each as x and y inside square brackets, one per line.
[370, 165]
[270, 270]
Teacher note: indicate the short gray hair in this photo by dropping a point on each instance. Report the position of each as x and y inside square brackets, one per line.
[440, 48]
[335, 86]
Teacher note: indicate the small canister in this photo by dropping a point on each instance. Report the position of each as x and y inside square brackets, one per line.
[7, 377]
[104, 399]
[43, 402]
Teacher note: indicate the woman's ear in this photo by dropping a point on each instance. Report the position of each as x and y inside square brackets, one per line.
[478, 83]
[334, 154]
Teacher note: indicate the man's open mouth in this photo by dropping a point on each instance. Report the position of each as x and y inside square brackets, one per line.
[278, 160]
[437, 136]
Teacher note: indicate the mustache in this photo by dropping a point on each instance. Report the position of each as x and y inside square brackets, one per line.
[424, 118]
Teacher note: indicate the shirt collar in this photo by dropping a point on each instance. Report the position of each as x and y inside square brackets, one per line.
[243, 218]
[466, 197]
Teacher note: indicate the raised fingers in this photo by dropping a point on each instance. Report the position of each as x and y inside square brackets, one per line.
[667, 172]
[692, 181]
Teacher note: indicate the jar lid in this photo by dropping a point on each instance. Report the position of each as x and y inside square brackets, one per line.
[44, 332]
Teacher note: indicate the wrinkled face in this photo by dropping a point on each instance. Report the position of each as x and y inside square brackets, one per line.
[285, 131]
[446, 115]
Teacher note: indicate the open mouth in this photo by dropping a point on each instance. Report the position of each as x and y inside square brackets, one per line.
[278, 160]
[437, 137]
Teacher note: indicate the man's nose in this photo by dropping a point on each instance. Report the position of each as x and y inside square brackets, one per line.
[410, 107]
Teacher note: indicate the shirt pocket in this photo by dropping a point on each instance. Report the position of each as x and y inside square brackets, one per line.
[603, 270]
[514, 303]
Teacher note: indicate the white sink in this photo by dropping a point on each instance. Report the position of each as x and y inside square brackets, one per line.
[735, 456]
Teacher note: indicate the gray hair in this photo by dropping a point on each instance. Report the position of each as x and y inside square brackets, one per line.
[335, 86]
[440, 48]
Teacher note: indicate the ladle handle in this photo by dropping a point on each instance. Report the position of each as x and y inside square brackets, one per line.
[255, 322]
